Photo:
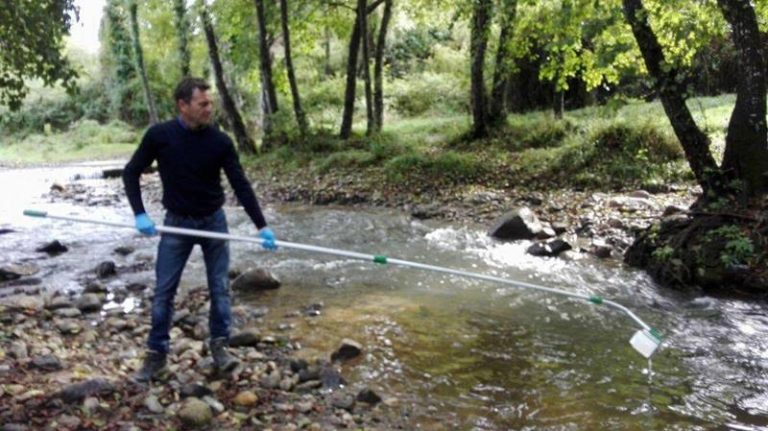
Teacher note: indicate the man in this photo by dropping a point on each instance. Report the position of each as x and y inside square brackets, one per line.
[190, 154]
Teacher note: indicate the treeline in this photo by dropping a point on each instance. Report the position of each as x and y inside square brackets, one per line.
[287, 69]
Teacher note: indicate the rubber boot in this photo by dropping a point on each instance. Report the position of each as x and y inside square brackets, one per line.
[154, 364]
[222, 360]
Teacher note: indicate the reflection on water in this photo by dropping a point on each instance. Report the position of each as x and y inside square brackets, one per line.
[460, 353]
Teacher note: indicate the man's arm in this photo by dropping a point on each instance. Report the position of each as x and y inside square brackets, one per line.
[234, 172]
[141, 159]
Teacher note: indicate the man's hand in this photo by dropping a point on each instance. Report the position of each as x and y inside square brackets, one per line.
[269, 238]
[145, 224]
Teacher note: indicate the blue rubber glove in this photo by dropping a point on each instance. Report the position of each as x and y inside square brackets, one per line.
[145, 224]
[269, 238]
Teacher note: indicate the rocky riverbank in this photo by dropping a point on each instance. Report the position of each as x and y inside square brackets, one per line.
[66, 362]
[601, 224]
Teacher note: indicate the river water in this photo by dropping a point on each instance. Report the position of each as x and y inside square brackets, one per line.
[450, 353]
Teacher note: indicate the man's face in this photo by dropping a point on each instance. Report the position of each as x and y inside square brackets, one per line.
[199, 111]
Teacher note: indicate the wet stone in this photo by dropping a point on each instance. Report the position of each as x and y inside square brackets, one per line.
[153, 404]
[342, 400]
[95, 287]
[53, 248]
[124, 250]
[194, 390]
[89, 388]
[245, 338]
[298, 364]
[46, 363]
[106, 269]
[367, 395]
[255, 280]
[89, 302]
[246, 399]
[136, 287]
[521, 223]
[331, 378]
[68, 327]
[58, 302]
[67, 312]
[349, 349]
[195, 413]
[18, 350]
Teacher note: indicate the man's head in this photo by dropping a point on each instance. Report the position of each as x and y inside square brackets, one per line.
[193, 102]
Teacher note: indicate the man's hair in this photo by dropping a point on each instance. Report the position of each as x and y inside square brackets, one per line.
[187, 86]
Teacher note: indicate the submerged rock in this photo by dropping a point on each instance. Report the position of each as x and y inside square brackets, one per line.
[367, 395]
[549, 249]
[349, 349]
[53, 248]
[106, 269]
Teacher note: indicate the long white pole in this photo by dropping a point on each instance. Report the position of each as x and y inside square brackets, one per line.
[380, 259]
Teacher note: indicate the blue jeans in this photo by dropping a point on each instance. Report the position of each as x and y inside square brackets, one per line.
[172, 255]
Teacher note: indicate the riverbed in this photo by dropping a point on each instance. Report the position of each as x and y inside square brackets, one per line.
[447, 352]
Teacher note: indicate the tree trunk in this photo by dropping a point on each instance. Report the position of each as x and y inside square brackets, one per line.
[558, 104]
[378, 68]
[666, 79]
[370, 124]
[182, 33]
[269, 105]
[498, 111]
[244, 142]
[746, 145]
[327, 44]
[133, 11]
[301, 119]
[481, 14]
[349, 93]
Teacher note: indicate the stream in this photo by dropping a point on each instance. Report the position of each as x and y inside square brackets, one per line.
[449, 352]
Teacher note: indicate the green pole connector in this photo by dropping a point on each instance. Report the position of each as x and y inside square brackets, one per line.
[380, 259]
[596, 299]
[656, 334]
[34, 213]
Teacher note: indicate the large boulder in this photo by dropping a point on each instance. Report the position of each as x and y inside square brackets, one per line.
[520, 223]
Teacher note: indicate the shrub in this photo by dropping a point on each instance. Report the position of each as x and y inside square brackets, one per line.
[429, 93]
[450, 165]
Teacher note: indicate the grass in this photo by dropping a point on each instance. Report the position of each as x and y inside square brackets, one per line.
[624, 144]
[84, 140]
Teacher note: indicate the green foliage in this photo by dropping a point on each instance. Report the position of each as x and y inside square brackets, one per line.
[738, 248]
[58, 111]
[449, 165]
[83, 140]
[410, 48]
[428, 93]
[31, 34]
[664, 253]
[535, 131]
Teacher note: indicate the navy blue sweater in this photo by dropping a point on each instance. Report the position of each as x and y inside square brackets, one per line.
[190, 164]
